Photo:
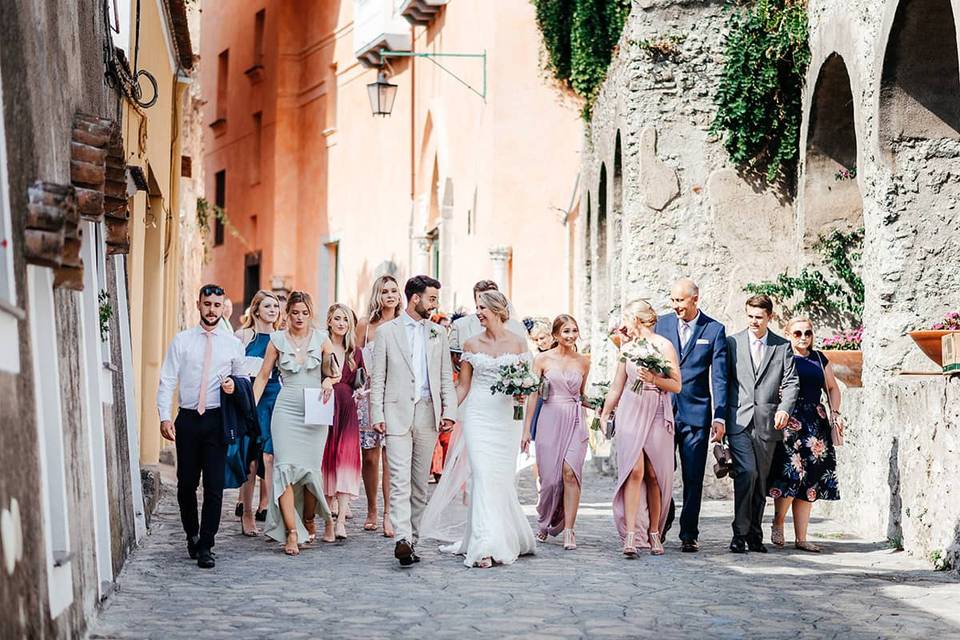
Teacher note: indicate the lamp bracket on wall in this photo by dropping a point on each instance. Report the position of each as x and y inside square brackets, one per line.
[386, 53]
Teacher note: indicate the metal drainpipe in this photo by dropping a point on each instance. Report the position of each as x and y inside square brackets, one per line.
[413, 117]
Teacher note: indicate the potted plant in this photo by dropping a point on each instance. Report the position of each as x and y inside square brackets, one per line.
[843, 352]
[929, 340]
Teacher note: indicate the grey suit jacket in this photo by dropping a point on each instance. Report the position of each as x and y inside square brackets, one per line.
[392, 379]
[755, 397]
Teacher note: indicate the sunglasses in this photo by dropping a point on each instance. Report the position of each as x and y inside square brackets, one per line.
[803, 334]
[211, 290]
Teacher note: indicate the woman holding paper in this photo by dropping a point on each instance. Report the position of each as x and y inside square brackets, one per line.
[341, 458]
[300, 352]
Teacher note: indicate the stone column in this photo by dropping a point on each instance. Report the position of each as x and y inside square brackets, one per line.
[500, 263]
[422, 246]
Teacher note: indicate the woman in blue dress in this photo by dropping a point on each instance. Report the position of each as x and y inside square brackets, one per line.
[805, 464]
[260, 321]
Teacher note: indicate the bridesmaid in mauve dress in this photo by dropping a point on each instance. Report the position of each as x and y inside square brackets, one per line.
[644, 438]
[561, 436]
[341, 456]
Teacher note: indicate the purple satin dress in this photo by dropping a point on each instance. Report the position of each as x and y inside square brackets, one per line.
[561, 438]
[644, 425]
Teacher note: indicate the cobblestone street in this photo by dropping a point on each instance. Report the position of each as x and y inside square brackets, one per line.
[355, 589]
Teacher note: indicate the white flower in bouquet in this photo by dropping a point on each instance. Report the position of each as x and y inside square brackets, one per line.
[645, 354]
[518, 381]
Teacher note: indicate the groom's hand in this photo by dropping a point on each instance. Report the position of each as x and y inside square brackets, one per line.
[446, 424]
[379, 427]
[717, 432]
[780, 420]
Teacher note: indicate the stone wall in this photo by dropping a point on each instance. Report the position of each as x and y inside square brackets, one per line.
[662, 201]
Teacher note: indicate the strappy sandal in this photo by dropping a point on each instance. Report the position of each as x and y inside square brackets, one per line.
[656, 546]
[295, 550]
[803, 545]
[311, 527]
[542, 535]
[629, 546]
[332, 537]
[340, 531]
[388, 531]
[485, 563]
[569, 540]
[776, 535]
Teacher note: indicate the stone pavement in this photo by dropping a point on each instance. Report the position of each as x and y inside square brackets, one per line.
[355, 589]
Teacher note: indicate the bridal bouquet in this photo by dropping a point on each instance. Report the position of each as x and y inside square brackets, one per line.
[644, 354]
[516, 380]
[595, 400]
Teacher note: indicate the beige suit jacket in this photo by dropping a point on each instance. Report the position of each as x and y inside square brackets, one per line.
[393, 381]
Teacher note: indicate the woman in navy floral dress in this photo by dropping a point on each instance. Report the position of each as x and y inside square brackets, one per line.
[804, 469]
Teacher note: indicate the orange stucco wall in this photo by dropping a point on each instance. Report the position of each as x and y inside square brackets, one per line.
[332, 173]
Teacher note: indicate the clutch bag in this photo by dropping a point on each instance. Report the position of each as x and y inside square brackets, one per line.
[330, 367]
[610, 429]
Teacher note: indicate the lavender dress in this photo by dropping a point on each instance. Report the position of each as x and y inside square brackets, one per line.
[561, 438]
[644, 425]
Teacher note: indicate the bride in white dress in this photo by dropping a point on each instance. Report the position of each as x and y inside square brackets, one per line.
[475, 505]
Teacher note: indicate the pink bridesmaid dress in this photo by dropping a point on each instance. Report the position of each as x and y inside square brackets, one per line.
[644, 426]
[561, 438]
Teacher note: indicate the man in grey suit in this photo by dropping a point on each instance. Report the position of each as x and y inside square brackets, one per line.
[762, 387]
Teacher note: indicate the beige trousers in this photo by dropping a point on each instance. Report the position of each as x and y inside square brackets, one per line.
[410, 456]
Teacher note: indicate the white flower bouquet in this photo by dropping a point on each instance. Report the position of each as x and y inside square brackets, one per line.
[518, 381]
[595, 399]
[645, 354]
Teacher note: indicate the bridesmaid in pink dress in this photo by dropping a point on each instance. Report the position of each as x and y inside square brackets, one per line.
[561, 433]
[644, 438]
[341, 455]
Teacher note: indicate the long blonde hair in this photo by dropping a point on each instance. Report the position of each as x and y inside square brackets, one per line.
[249, 318]
[375, 306]
[349, 338]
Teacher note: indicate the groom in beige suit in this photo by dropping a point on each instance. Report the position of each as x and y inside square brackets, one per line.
[411, 396]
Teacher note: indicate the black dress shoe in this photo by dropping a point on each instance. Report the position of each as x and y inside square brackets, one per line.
[404, 553]
[205, 559]
[193, 546]
[689, 546]
[738, 545]
[756, 545]
[260, 516]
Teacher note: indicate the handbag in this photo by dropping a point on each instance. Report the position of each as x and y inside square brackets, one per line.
[360, 380]
[610, 429]
[836, 431]
[330, 367]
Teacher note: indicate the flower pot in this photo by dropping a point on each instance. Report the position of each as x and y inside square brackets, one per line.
[847, 365]
[929, 343]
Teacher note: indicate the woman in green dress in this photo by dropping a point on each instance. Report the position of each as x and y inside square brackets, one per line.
[298, 352]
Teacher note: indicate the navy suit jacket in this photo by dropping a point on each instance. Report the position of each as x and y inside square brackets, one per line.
[706, 348]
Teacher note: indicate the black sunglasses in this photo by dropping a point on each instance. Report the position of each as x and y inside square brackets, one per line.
[803, 334]
[211, 290]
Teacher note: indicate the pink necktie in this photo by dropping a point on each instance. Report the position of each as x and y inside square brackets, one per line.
[205, 372]
[757, 354]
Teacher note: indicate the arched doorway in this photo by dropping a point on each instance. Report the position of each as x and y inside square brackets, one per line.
[601, 283]
[615, 244]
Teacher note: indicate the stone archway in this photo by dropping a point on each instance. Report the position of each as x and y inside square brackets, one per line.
[831, 194]
[601, 282]
[615, 232]
[586, 291]
[920, 83]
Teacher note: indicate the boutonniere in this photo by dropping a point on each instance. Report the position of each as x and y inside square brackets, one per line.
[434, 334]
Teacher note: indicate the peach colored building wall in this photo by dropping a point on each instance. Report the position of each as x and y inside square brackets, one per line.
[344, 196]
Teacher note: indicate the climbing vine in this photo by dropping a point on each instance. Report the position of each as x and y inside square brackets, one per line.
[204, 211]
[758, 102]
[835, 295]
[105, 311]
[579, 37]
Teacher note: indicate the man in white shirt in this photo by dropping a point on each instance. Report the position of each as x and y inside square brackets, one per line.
[197, 366]
[469, 325]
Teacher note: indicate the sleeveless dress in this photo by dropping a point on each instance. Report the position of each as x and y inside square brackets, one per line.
[297, 447]
[258, 348]
[482, 459]
[561, 438]
[369, 439]
[341, 456]
[644, 425]
[805, 463]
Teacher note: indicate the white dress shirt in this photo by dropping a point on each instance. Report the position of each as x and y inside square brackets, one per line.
[183, 366]
[685, 330]
[417, 340]
[758, 347]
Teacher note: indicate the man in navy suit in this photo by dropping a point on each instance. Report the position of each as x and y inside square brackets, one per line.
[701, 343]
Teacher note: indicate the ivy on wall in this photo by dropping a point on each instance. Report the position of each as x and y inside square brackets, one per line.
[766, 54]
[579, 37]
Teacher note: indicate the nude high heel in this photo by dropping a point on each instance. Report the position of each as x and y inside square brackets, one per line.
[629, 545]
[569, 540]
[656, 546]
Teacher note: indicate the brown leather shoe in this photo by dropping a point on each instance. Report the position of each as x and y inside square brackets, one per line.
[404, 552]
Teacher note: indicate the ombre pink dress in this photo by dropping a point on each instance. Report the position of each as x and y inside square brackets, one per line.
[561, 438]
[341, 456]
[644, 425]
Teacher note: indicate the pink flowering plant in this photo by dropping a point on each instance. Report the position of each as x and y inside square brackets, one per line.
[846, 340]
[950, 322]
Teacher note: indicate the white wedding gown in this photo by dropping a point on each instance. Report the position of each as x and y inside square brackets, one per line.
[475, 505]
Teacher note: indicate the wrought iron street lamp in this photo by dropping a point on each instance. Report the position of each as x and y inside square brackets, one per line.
[382, 93]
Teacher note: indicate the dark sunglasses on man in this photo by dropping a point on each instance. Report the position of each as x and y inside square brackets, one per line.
[211, 290]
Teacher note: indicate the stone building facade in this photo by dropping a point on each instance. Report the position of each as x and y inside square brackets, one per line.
[662, 200]
[71, 506]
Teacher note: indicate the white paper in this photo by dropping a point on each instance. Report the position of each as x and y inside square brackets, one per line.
[248, 366]
[315, 410]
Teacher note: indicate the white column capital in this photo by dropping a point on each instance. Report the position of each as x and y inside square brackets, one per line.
[501, 254]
